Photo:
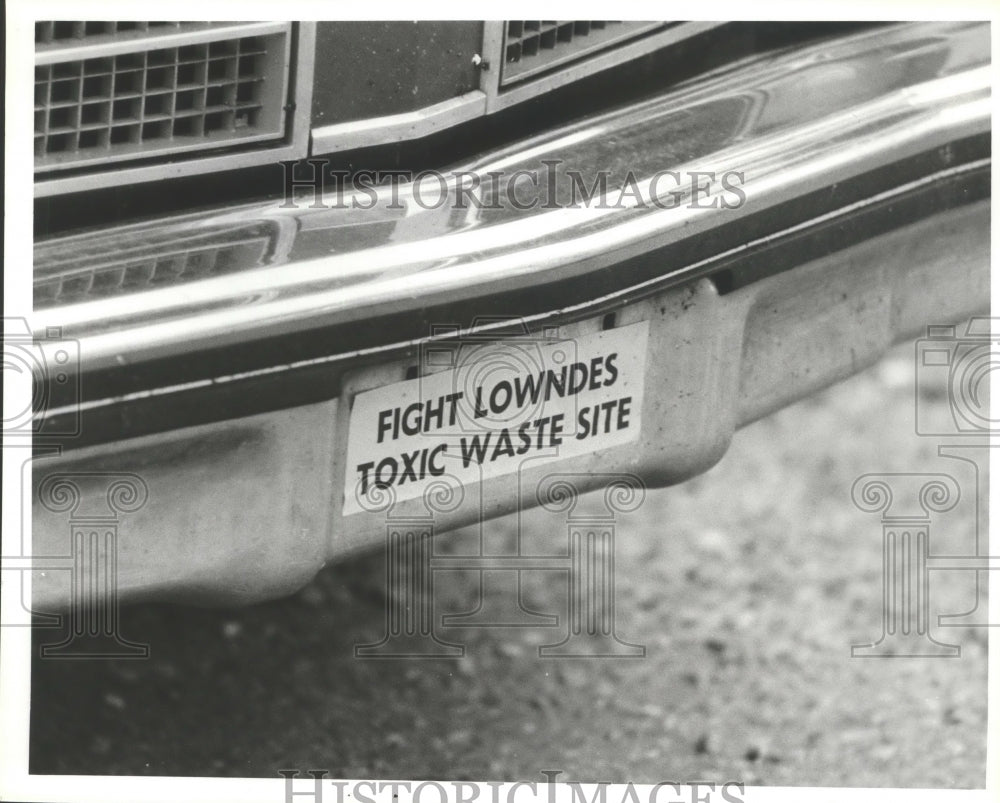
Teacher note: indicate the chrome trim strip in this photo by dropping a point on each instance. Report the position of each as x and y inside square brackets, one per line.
[688, 272]
[873, 99]
[490, 97]
[398, 127]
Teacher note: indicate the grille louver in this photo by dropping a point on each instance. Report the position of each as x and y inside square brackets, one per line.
[177, 88]
[533, 47]
[97, 267]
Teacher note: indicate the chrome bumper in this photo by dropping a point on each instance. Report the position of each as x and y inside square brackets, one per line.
[866, 218]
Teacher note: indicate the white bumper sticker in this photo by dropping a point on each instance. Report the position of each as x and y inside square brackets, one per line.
[497, 405]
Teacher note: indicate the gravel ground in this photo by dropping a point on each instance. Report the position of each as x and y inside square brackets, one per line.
[747, 586]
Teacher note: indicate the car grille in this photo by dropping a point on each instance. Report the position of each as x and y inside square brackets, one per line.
[532, 47]
[95, 267]
[111, 91]
[49, 32]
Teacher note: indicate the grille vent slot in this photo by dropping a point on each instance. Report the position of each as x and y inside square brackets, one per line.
[533, 47]
[169, 94]
[107, 267]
